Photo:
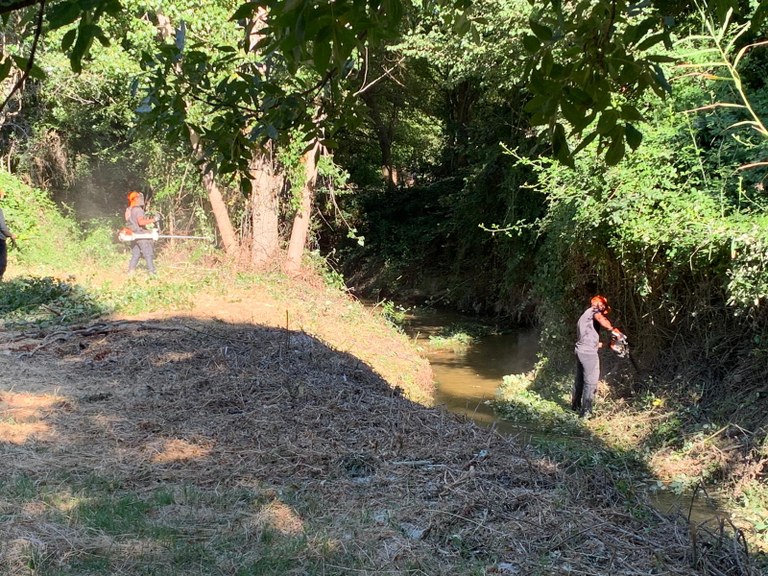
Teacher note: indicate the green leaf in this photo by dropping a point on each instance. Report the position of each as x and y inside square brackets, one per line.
[68, 39]
[651, 41]
[629, 73]
[586, 141]
[37, 73]
[661, 86]
[633, 135]
[246, 188]
[5, 67]
[292, 5]
[607, 121]
[321, 55]
[759, 16]
[245, 11]
[531, 43]
[579, 97]
[573, 114]
[393, 9]
[461, 24]
[660, 58]
[629, 112]
[540, 30]
[616, 149]
[560, 147]
[63, 13]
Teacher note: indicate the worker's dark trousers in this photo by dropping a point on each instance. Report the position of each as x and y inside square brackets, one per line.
[3, 257]
[585, 384]
[141, 248]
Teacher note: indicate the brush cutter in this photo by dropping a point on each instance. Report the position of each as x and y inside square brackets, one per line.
[128, 235]
[620, 345]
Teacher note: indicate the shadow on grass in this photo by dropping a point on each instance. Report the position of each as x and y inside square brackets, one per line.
[542, 409]
[203, 447]
[27, 300]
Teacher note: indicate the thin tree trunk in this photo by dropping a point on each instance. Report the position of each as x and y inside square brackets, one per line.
[265, 185]
[385, 133]
[301, 222]
[218, 206]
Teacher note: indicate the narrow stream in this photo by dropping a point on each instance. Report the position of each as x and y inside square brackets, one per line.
[467, 380]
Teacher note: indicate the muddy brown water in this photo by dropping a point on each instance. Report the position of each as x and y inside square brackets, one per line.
[467, 379]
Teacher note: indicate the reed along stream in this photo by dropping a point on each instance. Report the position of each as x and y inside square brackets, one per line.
[467, 378]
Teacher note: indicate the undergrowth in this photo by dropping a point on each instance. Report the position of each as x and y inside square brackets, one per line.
[652, 440]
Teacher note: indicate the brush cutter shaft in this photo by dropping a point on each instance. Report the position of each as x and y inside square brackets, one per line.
[127, 235]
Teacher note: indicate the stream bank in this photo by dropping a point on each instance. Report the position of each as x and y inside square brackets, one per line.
[212, 441]
[469, 371]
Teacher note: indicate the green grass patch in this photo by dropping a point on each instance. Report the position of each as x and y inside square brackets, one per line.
[518, 402]
[458, 342]
[115, 515]
[46, 301]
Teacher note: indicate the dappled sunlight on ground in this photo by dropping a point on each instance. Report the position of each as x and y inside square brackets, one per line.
[176, 450]
[277, 516]
[21, 416]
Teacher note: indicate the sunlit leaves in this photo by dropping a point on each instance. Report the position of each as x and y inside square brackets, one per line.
[591, 59]
[322, 36]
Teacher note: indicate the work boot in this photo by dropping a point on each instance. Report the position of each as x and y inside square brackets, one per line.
[586, 410]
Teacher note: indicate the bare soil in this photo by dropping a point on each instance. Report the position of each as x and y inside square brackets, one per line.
[308, 403]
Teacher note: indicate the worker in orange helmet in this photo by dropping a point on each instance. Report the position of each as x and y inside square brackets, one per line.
[137, 221]
[587, 359]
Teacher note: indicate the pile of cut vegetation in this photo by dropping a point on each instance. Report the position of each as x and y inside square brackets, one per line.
[183, 446]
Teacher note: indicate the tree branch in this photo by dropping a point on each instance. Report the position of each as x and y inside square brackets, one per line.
[6, 7]
[31, 60]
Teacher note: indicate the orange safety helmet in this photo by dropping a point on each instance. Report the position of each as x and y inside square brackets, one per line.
[135, 198]
[600, 303]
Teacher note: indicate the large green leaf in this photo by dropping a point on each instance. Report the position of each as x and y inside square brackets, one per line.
[633, 135]
[616, 150]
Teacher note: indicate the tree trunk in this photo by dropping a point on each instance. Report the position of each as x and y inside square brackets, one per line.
[218, 206]
[265, 185]
[302, 220]
[385, 134]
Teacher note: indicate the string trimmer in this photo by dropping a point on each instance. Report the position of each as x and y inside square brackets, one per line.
[128, 235]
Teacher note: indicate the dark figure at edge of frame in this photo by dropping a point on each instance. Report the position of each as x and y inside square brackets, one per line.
[137, 221]
[5, 235]
[587, 359]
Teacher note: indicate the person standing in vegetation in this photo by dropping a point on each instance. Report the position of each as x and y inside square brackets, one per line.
[138, 221]
[5, 234]
[587, 359]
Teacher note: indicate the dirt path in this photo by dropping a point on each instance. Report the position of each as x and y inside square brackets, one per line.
[269, 450]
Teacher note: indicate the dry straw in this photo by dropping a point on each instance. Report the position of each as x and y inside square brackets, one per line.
[329, 448]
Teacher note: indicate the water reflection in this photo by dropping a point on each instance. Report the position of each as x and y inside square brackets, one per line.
[467, 379]
[698, 508]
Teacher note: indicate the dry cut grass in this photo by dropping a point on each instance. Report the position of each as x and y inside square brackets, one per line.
[183, 446]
